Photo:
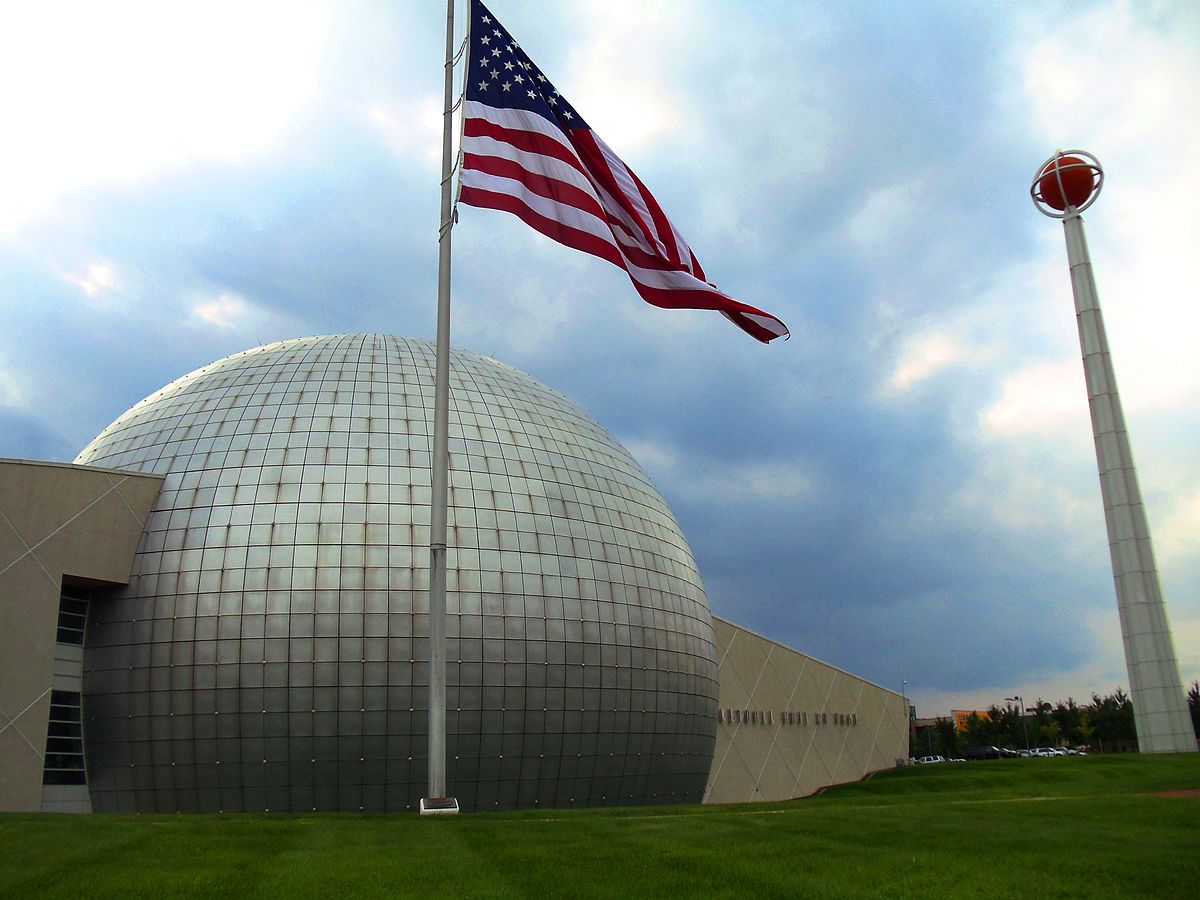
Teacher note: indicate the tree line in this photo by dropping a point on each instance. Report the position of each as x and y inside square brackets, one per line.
[1105, 725]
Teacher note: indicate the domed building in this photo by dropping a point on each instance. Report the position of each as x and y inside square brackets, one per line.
[280, 598]
[240, 563]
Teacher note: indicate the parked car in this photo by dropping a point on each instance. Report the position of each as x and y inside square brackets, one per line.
[926, 760]
[984, 753]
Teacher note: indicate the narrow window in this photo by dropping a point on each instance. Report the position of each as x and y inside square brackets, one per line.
[72, 614]
[64, 740]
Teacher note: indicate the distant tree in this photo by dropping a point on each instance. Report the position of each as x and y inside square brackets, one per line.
[1106, 724]
[946, 738]
[1001, 727]
[1194, 706]
[1049, 734]
[981, 731]
[939, 739]
[1072, 721]
[1084, 726]
[1112, 722]
[1011, 726]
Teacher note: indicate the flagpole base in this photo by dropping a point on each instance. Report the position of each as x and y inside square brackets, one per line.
[439, 806]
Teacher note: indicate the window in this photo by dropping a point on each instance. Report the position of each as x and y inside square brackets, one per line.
[72, 614]
[64, 740]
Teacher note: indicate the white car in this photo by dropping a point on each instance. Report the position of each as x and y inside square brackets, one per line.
[926, 760]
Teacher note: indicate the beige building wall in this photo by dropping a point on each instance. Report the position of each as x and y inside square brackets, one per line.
[790, 725]
[56, 519]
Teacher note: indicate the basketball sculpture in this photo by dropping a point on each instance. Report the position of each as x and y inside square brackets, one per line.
[1064, 186]
[1067, 183]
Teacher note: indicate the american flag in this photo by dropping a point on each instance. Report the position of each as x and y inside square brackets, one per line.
[527, 151]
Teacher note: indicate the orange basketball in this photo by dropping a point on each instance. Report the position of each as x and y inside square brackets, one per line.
[1077, 180]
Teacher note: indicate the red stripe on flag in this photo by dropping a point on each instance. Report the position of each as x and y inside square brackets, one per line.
[595, 165]
[528, 141]
[735, 310]
[551, 228]
[661, 223]
[551, 188]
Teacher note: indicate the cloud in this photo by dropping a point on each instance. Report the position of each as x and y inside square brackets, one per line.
[690, 478]
[1125, 83]
[905, 489]
[27, 437]
[1040, 398]
[164, 83]
[924, 356]
[412, 127]
[644, 42]
[1175, 534]
[887, 215]
[10, 393]
[98, 279]
[224, 311]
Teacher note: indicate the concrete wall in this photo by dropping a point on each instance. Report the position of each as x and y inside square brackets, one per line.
[790, 725]
[55, 519]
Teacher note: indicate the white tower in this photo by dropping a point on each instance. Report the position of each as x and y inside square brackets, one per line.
[1064, 186]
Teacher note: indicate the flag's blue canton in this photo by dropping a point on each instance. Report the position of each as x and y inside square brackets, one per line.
[501, 75]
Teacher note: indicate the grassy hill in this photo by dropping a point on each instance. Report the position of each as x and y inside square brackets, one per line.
[1066, 827]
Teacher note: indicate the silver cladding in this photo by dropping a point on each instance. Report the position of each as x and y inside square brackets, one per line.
[270, 651]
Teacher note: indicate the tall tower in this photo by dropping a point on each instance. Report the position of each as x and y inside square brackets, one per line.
[1064, 186]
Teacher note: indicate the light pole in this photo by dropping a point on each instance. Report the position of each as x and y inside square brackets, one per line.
[1021, 712]
[1064, 186]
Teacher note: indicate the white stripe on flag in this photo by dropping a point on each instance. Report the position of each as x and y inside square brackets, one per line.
[569, 215]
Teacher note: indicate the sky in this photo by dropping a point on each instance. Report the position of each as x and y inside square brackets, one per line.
[906, 489]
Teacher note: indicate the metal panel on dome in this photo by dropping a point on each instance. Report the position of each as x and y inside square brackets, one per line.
[270, 653]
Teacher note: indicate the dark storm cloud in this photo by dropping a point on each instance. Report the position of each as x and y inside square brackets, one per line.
[26, 437]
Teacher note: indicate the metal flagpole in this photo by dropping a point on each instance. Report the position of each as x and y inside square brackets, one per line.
[437, 801]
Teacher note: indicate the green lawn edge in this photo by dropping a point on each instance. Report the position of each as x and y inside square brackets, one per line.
[1066, 827]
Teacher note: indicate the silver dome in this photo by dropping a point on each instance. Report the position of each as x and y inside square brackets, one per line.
[269, 651]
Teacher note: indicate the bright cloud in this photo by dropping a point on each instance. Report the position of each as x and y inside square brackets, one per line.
[10, 394]
[1037, 399]
[1175, 535]
[642, 42]
[886, 214]
[924, 356]
[225, 311]
[1126, 86]
[413, 127]
[94, 93]
[96, 280]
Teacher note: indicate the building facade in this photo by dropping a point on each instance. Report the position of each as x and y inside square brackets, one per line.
[257, 640]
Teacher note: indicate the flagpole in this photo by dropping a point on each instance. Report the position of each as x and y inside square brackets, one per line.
[437, 801]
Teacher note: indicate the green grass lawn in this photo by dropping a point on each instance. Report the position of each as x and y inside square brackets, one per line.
[1067, 827]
